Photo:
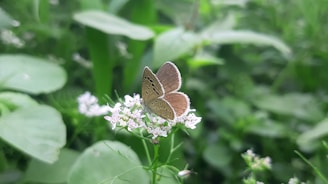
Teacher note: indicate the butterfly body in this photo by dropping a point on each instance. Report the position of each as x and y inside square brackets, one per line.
[160, 92]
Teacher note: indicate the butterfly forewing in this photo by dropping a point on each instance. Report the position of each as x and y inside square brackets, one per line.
[179, 102]
[169, 76]
[161, 108]
[151, 87]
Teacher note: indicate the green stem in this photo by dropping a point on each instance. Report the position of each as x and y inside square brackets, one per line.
[146, 149]
[155, 161]
[171, 149]
[78, 130]
[316, 170]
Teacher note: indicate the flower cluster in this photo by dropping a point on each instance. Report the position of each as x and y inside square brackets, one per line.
[131, 115]
[256, 163]
[295, 180]
[88, 105]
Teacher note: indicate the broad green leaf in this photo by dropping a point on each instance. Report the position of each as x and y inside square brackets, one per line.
[167, 175]
[108, 162]
[5, 19]
[30, 74]
[37, 130]
[173, 44]
[249, 37]
[18, 100]
[112, 24]
[310, 138]
[302, 106]
[218, 156]
[57, 172]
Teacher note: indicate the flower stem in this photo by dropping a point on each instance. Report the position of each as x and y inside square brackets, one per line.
[146, 149]
[171, 149]
[155, 161]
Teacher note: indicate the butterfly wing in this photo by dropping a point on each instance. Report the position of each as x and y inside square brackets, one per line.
[179, 102]
[161, 108]
[170, 77]
[151, 87]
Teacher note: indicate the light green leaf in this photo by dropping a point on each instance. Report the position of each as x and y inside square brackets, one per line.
[173, 44]
[167, 175]
[112, 24]
[310, 138]
[30, 74]
[108, 162]
[36, 130]
[19, 100]
[249, 37]
[57, 172]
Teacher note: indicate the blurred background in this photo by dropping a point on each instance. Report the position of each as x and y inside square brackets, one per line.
[255, 71]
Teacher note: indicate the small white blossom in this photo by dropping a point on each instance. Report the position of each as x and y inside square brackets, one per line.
[255, 162]
[88, 105]
[131, 115]
[9, 38]
[295, 180]
[184, 173]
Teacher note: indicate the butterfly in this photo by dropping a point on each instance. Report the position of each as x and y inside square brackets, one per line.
[160, 92]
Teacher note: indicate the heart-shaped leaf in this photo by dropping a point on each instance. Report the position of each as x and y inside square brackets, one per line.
[37, 130]
[112, 24]
[108, 162]
[30, 74]
[57, 172]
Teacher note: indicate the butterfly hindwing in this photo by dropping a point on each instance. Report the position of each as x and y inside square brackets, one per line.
[179, 102]
[161, 108]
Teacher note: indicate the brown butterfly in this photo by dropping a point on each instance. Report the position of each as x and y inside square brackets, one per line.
[160, 92]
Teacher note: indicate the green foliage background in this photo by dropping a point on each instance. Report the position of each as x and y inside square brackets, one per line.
[256, 71]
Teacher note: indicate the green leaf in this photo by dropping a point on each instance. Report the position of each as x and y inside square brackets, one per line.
[249, 37]
[173, 44]
[30, 74]
[311, 138]
[302, 106]
[57, 172]
[103, 62]
[108, 162]
[37, 130]
[5, 19]
[112, 24]
[167, 175]
[18, 100]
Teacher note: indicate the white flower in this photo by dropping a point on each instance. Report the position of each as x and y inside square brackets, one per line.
[184, 173]
[9, 38]
[131, 115]
[295, 180]
[255, 162]
[88, 105]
